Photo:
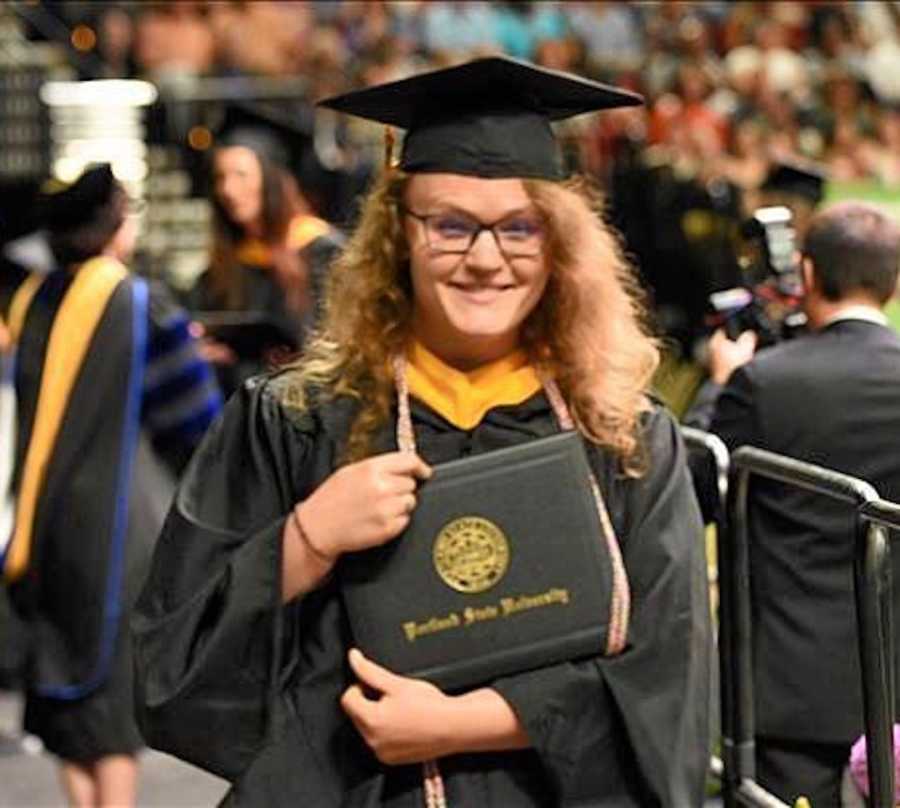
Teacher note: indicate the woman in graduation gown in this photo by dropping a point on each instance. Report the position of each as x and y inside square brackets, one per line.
[480, 304]
[111, 394]
[269, 254]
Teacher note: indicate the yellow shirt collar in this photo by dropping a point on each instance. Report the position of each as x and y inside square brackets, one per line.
[463, 398]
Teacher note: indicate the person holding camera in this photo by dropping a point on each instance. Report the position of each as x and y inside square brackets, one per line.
[830, 397]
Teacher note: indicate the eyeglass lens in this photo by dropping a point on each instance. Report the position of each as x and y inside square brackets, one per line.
[456, 233]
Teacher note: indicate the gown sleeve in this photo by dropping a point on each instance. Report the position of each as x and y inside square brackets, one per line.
[636, 724]
[206, 627]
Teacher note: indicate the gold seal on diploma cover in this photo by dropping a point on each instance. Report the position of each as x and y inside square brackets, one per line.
[471, 554]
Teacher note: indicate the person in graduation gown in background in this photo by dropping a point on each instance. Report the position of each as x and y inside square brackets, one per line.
[478, 280]
[111, 394]
[269, 255]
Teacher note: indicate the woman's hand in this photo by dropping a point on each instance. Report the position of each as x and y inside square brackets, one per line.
[411, 720]
[363, 504]
[216, 353]
[407, 723]
[213, 351]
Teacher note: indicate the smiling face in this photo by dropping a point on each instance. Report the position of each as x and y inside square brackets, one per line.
[469, 308]
[238, 182]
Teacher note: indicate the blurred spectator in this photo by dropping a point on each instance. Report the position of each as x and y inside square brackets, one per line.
[844, 99]
[881, 154]
[685, 115]
[746, 162]
[696, 45]
[784, 70]
[737, 95]
[115, 43]
[269, 254]
[559, 54]
[261, 38]
[173, 39]
[729, 85]
[610, 32]
[458, 28]
[365, 26]
[520, 24]
[325, 63]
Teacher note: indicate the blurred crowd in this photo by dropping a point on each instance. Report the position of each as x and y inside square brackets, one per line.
[729, 84]
[733, 90]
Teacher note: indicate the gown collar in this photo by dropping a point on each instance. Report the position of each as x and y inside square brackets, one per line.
[463, 398]
[302, 230]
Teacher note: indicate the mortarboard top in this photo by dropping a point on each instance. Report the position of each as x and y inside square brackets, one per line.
[801, 179]
[270, 135]
[65, 206]
[488, 118]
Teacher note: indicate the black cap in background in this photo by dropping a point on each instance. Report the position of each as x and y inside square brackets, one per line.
[66, 206]
[271, 135]
[487, 118]
[805, 180]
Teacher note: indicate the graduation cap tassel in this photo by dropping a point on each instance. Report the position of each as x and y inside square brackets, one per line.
[389, 139]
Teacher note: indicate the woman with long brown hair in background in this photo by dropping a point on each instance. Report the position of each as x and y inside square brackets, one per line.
[269, 254]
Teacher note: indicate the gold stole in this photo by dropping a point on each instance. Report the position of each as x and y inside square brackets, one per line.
[302, 230]
[70, 338]
[464, 398]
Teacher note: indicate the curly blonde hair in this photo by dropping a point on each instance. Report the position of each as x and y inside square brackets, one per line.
[588, 331]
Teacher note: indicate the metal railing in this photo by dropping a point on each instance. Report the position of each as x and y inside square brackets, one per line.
[872, 590]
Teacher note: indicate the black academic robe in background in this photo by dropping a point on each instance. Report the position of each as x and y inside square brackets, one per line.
[234, 682]
[141, 388]
[263, 294]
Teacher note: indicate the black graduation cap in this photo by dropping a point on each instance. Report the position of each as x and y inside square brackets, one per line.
[274, 136]
[795, 178]
[65, 206]
[489, 117]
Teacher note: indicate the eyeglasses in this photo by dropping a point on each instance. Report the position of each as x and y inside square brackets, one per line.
[517, 236]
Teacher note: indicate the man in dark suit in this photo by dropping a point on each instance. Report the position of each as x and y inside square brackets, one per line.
[830, 397]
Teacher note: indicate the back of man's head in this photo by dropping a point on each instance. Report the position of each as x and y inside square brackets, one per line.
[855, 250]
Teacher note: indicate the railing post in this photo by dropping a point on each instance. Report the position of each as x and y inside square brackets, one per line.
[873, 592]
[715, 448]
[874, 602]
[872, 588]
[742, 659]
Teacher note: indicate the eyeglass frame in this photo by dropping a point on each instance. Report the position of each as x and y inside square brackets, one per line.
[482, 227]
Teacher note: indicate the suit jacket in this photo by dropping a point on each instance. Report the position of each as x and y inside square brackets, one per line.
[831, 398]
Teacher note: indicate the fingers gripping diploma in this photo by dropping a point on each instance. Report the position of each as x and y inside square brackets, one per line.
[363, 504]
[402, 720]
[360, 505]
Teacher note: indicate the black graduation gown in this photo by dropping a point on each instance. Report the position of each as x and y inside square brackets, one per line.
[263, 294]
[73, 593]
[232, 681]
[101, 505]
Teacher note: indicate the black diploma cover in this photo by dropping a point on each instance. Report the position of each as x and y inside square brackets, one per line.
[248, 333]
[503, 568]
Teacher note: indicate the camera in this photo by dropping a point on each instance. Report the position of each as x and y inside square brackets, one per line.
[768, 302]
